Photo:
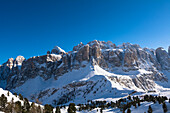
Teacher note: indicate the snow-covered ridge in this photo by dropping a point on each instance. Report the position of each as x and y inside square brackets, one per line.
[94, 66]
[91, 82]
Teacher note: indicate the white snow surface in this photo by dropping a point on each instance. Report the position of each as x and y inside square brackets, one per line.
[9, 98]
[108, 89]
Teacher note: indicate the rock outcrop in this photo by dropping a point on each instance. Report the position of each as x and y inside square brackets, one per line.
[57, 50]
[163, 58]
[125, 58]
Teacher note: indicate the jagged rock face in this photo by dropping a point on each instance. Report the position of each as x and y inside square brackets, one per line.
[107, 55]
[130, 57]
[18, 61]
[43, 66]
[6, 68]
[163, 58]
[10, 66]
[83, 54]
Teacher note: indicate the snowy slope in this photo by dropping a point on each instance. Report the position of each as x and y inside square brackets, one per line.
[88, 83]
[9, 98]
[97, 70]
[157, 108]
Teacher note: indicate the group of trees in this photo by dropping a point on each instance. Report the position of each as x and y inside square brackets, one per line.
[136, 101]
[21, 106]
[123, 104]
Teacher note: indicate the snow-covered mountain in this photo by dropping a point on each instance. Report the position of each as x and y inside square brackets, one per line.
[95, 70]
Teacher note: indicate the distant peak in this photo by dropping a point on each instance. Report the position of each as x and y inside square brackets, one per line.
[57, 50]
[10, 59]
[18, 58]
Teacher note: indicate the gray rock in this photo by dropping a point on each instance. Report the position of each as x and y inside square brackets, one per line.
[107, 55]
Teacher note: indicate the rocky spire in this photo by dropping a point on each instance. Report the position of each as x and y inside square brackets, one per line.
[163, 58]
[9, 63]
[57, 50]
[107, 55]
[18, 61]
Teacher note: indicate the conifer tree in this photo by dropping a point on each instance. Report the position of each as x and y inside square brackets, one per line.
[32, 108]
[8, 93]
[101, 110]
[48, 108]
[38, 109]
[129, 97]
[26, 104]
[20, 97]
[139, 103]
[150, 109]
[18, 108]
[57, 110]
[128, 110]
[72, 108]
[15, 94]
[164, 107]
[3, 101]
[9, 108]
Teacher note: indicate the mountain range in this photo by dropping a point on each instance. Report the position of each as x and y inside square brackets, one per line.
[96, 70]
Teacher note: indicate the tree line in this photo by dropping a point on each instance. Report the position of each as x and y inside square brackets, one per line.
[124, 104]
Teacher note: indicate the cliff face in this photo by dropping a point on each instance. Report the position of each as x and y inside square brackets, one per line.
[126, 58]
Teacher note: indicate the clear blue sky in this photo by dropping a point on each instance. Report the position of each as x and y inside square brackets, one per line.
[32, 27]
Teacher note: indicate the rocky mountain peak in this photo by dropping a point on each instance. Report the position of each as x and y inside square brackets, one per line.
[18, 61]
[57, 50]
[76, 48]
[9, 63]
[101, 44]
[141, 66]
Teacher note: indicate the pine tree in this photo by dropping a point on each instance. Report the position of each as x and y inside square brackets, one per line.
[57, 110]
[128, 110]
[8, 93]
[32, 108]
[15, 94]
[9, 107]
[38, 109]
[135, 104]
[3, 101]
[129, 97]
[164, 107]
[72, 108]
[139, 103]
[48, 108]
[20, 97]
[101, 110]
[26, 105]
[18, 108]
[150, 109]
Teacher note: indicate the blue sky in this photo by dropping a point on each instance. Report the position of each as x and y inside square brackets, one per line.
[32, 27]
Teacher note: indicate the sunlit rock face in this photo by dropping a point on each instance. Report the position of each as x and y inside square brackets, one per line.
[126, 59]
[163, 58]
